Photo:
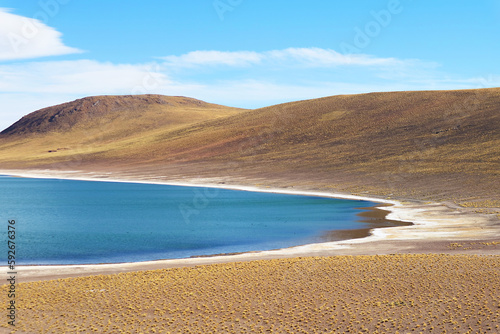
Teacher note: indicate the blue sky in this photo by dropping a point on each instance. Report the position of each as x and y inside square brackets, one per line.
[239, 52]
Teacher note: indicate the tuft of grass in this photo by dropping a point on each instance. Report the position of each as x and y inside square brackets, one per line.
[442, 293]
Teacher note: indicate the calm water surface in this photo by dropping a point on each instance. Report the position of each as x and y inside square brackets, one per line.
[76, 222]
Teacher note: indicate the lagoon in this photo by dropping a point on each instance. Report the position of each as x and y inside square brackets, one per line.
[81, 222]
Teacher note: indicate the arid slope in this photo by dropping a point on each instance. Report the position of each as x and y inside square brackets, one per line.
[86, 127]
[432, 145]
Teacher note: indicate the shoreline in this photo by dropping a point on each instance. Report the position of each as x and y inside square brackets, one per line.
[433, 226]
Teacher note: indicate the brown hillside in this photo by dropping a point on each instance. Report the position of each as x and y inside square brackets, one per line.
[140, 111]
[72, 130]
[438, 145]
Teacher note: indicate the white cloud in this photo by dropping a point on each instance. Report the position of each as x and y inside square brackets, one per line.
[195, 58]
[26, 87]
[22, 38]
[317, 57]
[80, 77]
[309, 57]
[256, 79]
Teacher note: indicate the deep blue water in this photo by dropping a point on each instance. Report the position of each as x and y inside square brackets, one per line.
[76, 222]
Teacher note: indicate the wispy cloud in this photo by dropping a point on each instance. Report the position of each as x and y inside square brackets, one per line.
[317, 57]
[79, 77]
[22, 37]
[197, 58]
[309, 57]
[247, 79]
[28, 86]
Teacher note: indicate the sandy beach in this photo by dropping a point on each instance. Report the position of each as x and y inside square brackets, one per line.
[437, 228]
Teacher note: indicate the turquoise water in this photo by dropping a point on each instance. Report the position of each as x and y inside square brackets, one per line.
[76, 222]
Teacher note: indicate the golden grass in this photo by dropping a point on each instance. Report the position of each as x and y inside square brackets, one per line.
[472, 245]
[384, 294]
[481, 204]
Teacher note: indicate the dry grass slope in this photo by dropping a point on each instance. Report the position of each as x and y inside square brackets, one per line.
[362, 294]
[91, 127]
[430, 145]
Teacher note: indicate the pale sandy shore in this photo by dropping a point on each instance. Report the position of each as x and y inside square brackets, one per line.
[437, 228]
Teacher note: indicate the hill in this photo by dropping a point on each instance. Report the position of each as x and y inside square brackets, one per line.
[97, 124]
[430, 145]
[138, 112]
